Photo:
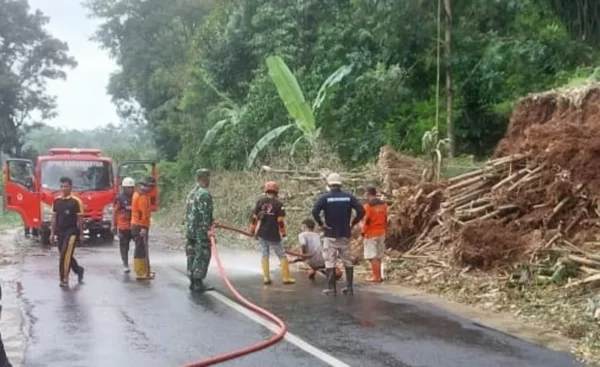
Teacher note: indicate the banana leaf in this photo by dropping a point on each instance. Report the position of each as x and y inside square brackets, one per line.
[291, 95]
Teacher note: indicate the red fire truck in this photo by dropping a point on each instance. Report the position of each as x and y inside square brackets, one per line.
[30, 190]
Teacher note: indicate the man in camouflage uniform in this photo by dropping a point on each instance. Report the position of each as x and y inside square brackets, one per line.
[198, 221]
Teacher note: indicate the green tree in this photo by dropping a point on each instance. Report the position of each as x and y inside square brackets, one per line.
[29, 57]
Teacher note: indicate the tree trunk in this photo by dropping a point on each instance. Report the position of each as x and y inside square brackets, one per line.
[448, 66]
[18, 149]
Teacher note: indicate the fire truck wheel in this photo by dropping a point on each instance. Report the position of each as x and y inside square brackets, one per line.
[35, 232]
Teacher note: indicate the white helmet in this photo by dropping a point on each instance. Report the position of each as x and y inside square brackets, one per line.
[334, 179]
[128, 182]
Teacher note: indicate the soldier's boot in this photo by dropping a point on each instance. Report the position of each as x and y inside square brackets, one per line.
[331, 282]
[200, 287]
[285, 272]
[349, 289]
[266, 271]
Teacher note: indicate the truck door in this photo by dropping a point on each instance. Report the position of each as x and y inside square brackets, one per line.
[20, 194]
[139, 170]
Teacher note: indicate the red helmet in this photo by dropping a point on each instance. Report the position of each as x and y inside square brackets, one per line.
[271, 186]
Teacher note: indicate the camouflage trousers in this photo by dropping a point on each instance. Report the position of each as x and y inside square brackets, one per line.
[198, 258]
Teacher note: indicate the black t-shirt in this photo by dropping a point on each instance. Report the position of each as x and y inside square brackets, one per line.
[269, 212]
[67, 210]
[337, 206]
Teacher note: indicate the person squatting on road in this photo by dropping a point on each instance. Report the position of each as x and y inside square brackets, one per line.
[373, 231]
[310, 242]
[198, 222]
[337, 207]
[268, 225]
[66, 229]
[122, 219]
[140, 226]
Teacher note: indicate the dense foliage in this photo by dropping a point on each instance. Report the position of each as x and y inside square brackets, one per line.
[187, 65]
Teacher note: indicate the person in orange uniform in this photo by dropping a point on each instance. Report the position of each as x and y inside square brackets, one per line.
[140, 225]
[373, 231]
[122, 220]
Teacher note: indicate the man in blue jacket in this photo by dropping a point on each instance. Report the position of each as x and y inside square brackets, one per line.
[337, 206]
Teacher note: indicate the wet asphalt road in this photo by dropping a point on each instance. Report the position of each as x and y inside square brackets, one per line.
[113, 320]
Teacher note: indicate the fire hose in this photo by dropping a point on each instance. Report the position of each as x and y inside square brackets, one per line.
[241, 299]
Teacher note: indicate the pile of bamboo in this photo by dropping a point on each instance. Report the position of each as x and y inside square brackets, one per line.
[512, 193]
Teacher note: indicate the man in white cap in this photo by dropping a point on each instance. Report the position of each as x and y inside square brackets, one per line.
[337, 205]
[122, 219]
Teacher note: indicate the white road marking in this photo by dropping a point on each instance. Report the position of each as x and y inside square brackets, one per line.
[293, 339]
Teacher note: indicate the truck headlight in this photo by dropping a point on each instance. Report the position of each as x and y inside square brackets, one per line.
[46, 211]
[107, 212]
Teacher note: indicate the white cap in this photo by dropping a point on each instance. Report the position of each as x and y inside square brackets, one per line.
[128, 182]
[334, 179]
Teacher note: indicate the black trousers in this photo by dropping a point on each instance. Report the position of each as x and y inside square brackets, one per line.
[66, 245]
[125, 237]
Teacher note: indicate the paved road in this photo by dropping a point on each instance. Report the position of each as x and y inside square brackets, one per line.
[112, 320]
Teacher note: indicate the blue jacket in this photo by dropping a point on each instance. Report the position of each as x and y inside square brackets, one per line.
[337, 206]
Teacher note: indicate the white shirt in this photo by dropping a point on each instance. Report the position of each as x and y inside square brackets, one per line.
[312, 241]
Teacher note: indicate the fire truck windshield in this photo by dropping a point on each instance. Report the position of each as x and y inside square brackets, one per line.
[86, 175]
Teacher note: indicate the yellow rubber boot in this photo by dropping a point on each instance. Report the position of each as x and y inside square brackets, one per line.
[139, 267]
[265, 269]
[285, 272]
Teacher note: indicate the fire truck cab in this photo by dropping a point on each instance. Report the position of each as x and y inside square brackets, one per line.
[30, 190]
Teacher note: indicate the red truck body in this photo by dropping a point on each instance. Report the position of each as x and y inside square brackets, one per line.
[30, 190]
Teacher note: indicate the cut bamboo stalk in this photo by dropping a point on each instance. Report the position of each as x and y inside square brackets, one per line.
[590, 279]
[587, 270]
[467, 175]
[473, 204]
[433, 193]
[499, 211]
[475, 211]
[466, 198]
[464, 183]
[552, 240]
[532, 175]
[509, 179]
[584, 261]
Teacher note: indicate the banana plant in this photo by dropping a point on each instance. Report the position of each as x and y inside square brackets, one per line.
[231, 113]
[435, 149]
[301, 112]
[227, 111]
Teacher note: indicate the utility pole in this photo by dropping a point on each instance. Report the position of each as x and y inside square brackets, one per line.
[448, 69]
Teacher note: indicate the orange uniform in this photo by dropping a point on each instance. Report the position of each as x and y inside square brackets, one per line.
[140, 210]
[123, 210]
[375, 221]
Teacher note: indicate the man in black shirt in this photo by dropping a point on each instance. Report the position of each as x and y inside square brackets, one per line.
[269, 226]
[66, 229]
[337, 206]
